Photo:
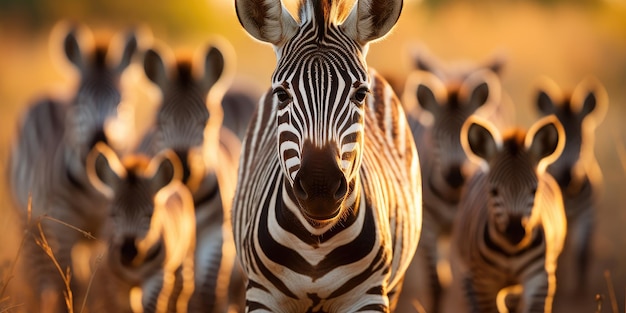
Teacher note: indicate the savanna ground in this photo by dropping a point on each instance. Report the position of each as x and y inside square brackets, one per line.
[559, 39]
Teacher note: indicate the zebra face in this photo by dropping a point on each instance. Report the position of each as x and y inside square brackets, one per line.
[319, 90]
[136, 248]
[319, 110]
[98, 97]
[579, 113]
[515, 164]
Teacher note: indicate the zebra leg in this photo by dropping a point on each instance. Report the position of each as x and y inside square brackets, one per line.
[538, 293]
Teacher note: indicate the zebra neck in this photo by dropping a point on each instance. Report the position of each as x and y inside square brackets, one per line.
[291, 218]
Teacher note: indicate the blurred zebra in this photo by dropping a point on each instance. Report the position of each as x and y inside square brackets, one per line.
[48, 159]
[511, 224]
[327, 213]
[153, 233]
[438, 101]
[576, 170]
[189, 121]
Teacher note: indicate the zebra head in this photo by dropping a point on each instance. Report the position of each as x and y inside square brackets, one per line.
[133, 185]
[514, 165]
[190, 109]
[450, 101]
[319, 90]
[96, 102]
[579, 113]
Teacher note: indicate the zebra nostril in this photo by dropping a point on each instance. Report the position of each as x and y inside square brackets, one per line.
[128, 251]
[454, 177]
[299, 189]
[515, 231]
[342, 189]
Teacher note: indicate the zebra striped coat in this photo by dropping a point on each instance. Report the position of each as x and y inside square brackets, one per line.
[152, 240]
[189, 121]
[327, 212]
[48, 159]
[448, 97]
[511, 224]
[576, 170]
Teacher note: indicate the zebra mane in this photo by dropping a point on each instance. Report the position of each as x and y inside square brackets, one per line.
[513, 141]
[184, 69]
[323, 13]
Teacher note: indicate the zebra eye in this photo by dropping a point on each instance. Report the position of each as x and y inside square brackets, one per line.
[360, 94]
[282, 95]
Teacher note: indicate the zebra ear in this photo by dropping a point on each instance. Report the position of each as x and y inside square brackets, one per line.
[480, 139]
[72, 47]
[214, 65]
[372, 19]
[545, 140]
[155, 69]
[130, 46]
[164, 168]
[430, 91]
[591, 99]
[104, 169]
[547, 96]
[266, 20]
[479, 88]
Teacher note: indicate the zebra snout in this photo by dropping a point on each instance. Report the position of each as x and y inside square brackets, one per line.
[515, 230]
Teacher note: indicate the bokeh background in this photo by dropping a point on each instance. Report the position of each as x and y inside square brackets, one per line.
[564, 40]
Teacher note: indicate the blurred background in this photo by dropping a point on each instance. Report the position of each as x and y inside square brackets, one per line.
[564, 40]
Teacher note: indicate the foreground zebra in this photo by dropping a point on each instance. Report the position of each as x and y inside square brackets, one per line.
[511, 224]
[152, 240]
[327, 213]
[189, 121]
[576, 170]
[448, 97]
[48, 162]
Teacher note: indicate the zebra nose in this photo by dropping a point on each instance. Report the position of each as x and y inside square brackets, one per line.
[320, 186]
[515, 230]
[454, 177]
[128, 251]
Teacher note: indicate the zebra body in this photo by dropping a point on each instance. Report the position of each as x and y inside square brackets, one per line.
[189, 121]
[577, 170]
[511, 224]
[327, 212]
[448, 97]
[48, 159]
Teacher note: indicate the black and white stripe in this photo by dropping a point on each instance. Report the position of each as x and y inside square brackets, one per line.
[189, 122]
[439, 100]
[48, 160]
[511, 224]
[327, 212]
[576, 170]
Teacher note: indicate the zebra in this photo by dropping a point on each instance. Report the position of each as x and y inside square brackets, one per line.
[511, 225]
[577, 170]
[438, 101]
[153, 233]
[48, 158]
[327, 211]
[189, 121]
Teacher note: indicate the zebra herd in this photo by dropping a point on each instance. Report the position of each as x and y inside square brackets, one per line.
[330, 195]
